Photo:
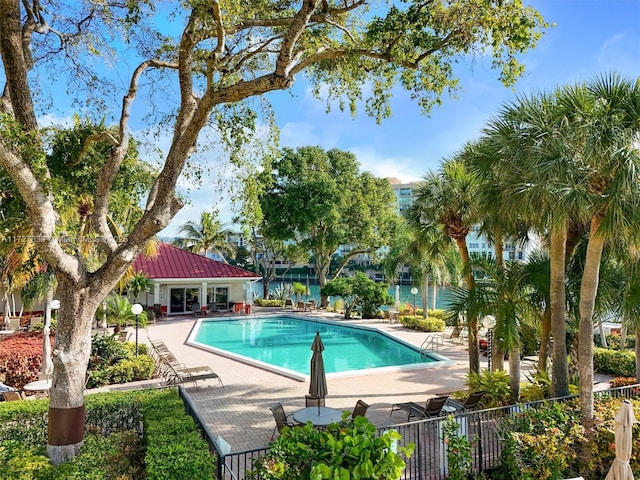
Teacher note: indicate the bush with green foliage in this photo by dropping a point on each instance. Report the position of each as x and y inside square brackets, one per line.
[360, 294]
[619, 363]
[348, 449]
[459, 458]
[540, 443]
[112, 361]
[114, 446]
[416, 322]
[494, 384]
[269, 302]
[614, 341]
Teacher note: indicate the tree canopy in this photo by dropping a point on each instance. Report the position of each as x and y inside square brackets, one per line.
[320, 200]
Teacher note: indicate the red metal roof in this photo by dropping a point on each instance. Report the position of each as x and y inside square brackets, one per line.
[174, 262]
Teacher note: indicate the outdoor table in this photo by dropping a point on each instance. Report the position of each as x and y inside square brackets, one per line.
[38, 386]
[318, 416]
[448, 409]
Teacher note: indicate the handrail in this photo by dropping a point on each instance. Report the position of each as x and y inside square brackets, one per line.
[433, 341]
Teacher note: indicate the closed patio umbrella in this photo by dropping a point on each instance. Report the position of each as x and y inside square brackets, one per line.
[318, 378]
[625, 418]
[47, 364]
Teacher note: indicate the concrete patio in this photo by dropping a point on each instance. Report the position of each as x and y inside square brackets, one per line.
[239, 411]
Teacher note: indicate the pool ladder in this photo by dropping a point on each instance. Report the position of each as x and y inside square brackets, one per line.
[431, 344]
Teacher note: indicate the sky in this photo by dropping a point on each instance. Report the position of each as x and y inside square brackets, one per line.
[590, 38]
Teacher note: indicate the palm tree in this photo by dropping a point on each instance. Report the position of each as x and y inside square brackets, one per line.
[118, 310]
[138, 283]
[448, 198]
[424, 250]
[206, 236]
[606, 119]
[532, 143]
[506, 296]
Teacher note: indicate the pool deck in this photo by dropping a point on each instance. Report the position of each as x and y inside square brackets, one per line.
[239, 411]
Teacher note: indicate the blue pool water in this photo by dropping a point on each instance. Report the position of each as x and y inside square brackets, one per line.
[283, 344]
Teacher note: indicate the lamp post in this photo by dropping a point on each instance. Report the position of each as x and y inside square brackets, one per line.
[136, 309]
[414, 291]
[489, 321]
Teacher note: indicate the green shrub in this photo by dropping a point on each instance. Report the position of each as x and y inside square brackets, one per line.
[494, 384]
[129, 370]
[430, 324]
[349, 449]
[619, 363]
[614, 341]
[275, 302]
[175, 449]
[459, 457]
[540, 443]
[172, 447]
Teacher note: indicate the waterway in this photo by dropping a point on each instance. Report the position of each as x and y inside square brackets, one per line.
[406, 297]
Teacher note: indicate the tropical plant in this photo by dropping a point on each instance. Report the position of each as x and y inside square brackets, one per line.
[448, 198]
[118, 311]
[206, 236]
[348, 449]
[139, 283]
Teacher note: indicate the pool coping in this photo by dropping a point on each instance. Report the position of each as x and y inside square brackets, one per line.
[440, 362]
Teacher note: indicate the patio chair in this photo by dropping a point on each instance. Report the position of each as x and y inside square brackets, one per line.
[360, 409]
[313, 401]
[288, 303]
[469, 403]
[432, 408]
[281, 418]
[176, 373]
[11, 396]
[300, 307]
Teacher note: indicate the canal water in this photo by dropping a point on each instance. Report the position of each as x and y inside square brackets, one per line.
[406, 297]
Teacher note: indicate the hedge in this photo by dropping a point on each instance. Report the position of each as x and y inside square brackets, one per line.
[430, 324]
[124, 432]
[618, 363]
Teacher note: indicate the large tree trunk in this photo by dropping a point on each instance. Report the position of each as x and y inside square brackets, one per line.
[560, 370]
[588, 292]
[425, 298]
[70, 358]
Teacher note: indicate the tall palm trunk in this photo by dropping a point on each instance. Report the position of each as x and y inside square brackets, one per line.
[70, 356]
[514, 373]
[545, 335]
[637, 350]
[560, 371]
[474, 349]
[588, 291]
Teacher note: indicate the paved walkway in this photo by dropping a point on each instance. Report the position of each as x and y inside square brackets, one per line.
[239, 411]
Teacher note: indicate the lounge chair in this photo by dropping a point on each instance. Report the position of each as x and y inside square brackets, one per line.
[288, 303]
[178, 373]
[300, 307]
[11, 396]
[360, 409]
[432, 408]
[281, 418]
[471, 402]
[313, 401]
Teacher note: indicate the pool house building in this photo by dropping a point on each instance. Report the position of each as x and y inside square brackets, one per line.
[184, 281]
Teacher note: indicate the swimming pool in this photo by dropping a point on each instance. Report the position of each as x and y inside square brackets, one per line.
[283, 344]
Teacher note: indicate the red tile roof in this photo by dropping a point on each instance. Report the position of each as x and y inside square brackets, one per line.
[173, 262]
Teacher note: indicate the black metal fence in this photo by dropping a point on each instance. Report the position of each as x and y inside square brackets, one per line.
[429, 459]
